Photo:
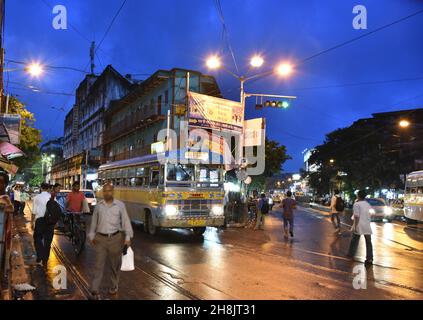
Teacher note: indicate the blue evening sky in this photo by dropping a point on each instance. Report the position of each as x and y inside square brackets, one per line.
[162, 34]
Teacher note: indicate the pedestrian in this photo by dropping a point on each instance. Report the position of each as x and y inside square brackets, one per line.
[262, 210]
[288, 205]
[55, 190]
[337, 206]
[74, 200]
[17, 199]
[7, 206]
[361, 226]
[43, 231]
[110, 232]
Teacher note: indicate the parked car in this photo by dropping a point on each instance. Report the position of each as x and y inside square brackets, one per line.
[380, 210]
[89, 195]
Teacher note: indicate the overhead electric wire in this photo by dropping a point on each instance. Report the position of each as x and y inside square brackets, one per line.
[225, 33]
[365, 83]
[46, 66]
[362, 36]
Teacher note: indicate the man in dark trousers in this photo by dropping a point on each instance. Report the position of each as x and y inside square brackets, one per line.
[110, 231]
[43, 232]
[288, 205]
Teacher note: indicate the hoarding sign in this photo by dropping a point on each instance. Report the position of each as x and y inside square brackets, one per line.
[254, 132]
[209, 112]
[10, 128]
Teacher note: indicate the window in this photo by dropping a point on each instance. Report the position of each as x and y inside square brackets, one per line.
[154, 178]
[159, 105]
[166, 96]
[152, 104]
[179, 172]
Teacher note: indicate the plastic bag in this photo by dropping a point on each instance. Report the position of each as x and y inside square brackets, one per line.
[128, 261]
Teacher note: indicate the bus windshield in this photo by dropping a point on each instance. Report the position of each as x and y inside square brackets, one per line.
[180, 172]
[203, 174]
[208, 174]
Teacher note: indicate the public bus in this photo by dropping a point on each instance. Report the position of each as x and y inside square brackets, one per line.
[170, 193]
[413, 197]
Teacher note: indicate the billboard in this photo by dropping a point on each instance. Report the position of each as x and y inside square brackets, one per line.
[10, 128]
[254, 132]
[209, 112]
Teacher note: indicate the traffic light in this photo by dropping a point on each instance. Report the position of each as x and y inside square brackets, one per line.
[277, 104]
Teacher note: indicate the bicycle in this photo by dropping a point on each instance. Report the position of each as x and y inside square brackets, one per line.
[74, 230]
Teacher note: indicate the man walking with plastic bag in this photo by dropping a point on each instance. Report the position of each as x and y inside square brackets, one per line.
[110, 233]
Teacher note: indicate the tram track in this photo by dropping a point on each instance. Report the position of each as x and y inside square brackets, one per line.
[83, 286]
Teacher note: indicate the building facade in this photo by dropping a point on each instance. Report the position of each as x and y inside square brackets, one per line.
[133, 122]
[84, 126]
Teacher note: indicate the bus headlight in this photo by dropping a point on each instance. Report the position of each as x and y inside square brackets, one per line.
[217, 210]
[372, 211]
[388, 211]
[170, 210]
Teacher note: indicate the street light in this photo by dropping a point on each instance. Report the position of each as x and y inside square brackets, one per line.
[332, 160]
[404, 123]
[35, 69]
[213, 62]
[256, 61]
[284, 69]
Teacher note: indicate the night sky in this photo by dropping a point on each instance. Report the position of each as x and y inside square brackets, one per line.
[151, 35]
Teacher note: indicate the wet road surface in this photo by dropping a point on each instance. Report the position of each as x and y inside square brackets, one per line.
[240, 263]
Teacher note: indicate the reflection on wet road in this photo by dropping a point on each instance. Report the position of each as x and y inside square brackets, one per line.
[239, 263]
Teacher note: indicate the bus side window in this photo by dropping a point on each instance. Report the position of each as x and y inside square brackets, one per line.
[162, 174]
[154, 178]
[138, 181]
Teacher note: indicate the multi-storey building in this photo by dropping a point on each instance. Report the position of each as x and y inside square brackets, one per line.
[133, 122]
[84, 126]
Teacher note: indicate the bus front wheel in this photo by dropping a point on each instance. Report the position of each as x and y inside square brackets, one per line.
[199, 231]
[149, 225]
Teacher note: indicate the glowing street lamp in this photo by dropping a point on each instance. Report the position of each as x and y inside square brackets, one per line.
[213, 62]
[284, 69]
[404, 123]
[35, 69]
[256, 61]
[332, 160]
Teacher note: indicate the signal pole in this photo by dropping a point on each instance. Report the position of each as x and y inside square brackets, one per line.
[2, 15]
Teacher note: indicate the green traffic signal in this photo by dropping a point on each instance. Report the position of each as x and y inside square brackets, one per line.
[277, 104]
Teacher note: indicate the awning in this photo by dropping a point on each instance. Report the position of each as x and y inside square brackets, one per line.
[9, 151]
[8, 166]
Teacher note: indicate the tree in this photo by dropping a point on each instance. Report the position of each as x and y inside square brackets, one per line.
[275, 157]
[30, 138]
[355, 157]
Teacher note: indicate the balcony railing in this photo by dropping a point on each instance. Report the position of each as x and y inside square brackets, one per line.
[130, 123]
[138, 152]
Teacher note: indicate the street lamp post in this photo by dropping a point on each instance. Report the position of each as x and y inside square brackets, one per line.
[257, 61]
[284, 69]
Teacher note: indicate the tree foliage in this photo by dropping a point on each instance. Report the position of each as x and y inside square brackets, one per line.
[275, 157]
[352, 158]
[30, 137]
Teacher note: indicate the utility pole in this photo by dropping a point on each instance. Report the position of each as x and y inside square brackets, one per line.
[92, 53]
[2, 15]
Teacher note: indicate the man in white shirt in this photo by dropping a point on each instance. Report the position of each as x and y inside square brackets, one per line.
[43, 232]
[361, 226]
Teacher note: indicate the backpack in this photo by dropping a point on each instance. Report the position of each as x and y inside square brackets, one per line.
[340, 204]
[53, 212]
[265, 207]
